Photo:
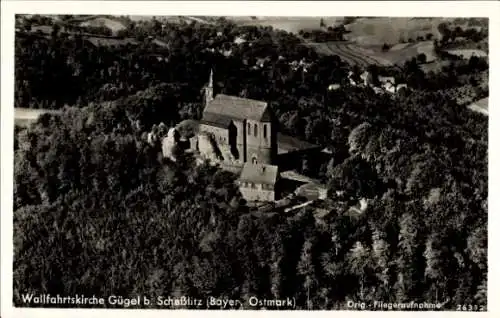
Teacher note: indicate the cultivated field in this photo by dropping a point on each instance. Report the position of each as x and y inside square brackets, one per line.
[435, 66]
[349, 52]
[289, 24]
[403, 53]
[353, 53]
[375, 31]
[365, 38]
[170, 19]
[467, 53]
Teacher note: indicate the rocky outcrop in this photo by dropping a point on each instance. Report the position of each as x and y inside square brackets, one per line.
[169, 144]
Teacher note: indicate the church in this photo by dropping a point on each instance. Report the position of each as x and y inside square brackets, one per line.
[242, 135]
[246, 127]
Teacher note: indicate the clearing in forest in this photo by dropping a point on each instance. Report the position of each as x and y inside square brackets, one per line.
[25, 116]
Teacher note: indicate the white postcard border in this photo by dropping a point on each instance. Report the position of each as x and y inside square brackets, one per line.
[489, 9]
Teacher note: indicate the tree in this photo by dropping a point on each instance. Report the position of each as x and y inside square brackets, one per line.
[434, 268]
[358, 138]
[422, 58]
[406, 262]
[359, 258]
[482, 294]
[55, 29]
[305, 269]
[477, 247]
[443, 29]
[381, 256]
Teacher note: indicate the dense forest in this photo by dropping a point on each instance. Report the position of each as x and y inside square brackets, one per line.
[99, 212]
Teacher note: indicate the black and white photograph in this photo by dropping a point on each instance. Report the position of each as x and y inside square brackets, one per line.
[260, 162]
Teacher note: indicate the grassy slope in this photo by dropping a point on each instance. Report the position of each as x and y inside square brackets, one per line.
[111, 24]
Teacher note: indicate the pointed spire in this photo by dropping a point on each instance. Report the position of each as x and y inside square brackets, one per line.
[209, 89]
[211, 79]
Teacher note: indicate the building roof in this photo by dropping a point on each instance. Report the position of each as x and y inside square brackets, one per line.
[224, 108]
[259, 173]
[217, 120]
[288, 144]
[311, 191]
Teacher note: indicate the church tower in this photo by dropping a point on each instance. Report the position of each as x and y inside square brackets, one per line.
[209, 89]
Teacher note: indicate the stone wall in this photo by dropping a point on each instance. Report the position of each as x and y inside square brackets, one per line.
[234, 167]
[257, 193]
[220, 135]
[207, 147]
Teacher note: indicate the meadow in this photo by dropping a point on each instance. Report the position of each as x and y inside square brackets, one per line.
[25, 116]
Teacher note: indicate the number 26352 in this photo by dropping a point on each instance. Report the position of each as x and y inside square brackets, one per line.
[471, 308]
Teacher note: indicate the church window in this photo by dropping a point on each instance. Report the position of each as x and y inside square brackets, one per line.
[265, 131]
[255, 130]
[248, 129]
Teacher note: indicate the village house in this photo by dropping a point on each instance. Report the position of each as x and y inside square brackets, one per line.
[239, 40]
[380, 84]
